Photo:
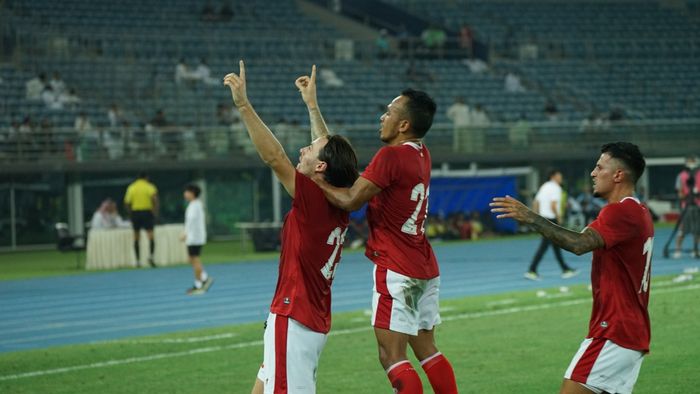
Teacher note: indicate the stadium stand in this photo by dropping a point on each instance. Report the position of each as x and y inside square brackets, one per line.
[125, 53]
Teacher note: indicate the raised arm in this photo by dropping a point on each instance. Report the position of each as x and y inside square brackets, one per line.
[578, 243]
[307, 88]
[269, 149]
[352, 198]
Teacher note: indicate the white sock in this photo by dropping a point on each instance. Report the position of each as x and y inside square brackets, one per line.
[198, 284]
[203, 277]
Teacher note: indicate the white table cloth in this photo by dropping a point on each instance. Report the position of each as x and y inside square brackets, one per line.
[114, 248]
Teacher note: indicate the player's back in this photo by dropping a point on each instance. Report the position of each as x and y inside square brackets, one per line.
[396, 215]
[621, 274]
[312, 240]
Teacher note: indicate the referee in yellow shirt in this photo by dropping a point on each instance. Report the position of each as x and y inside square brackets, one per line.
[141, 201]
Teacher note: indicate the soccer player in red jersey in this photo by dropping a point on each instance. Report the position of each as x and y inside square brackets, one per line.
[621, 240]
[406, 275]
[312, 240]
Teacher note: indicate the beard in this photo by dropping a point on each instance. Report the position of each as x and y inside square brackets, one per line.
[597, 195]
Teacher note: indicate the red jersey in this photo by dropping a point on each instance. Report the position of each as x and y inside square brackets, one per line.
[312, 241]
[621, 274]
[396, 215]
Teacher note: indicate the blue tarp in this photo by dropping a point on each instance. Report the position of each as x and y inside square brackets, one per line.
[467, 194]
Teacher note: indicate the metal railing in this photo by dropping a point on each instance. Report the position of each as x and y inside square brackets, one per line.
[496, 142]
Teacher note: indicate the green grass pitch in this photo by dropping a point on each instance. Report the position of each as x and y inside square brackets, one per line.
[506, 343]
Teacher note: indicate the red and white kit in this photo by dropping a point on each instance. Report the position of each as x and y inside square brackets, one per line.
[300, 314]
[619, 332]
[406, 276]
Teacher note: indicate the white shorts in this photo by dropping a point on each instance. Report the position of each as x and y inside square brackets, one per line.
[291, 353]
[602, 365]
[404, 304]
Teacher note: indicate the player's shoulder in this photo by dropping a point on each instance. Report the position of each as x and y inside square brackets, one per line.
[629, 207]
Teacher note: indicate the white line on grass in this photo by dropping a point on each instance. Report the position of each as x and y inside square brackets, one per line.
[160, 356]
[205, 338]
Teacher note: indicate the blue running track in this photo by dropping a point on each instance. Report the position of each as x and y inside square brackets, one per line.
[38, 313]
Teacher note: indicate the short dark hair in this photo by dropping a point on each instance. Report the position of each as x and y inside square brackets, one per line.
[551, 172]
[194, 189]
[630, 156]
[341, 161]
[420, 109]
[142, 175]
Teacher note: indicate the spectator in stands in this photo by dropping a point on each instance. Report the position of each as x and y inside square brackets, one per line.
[183, 75]
[512, 83]
[403, 37]
[436, 228]
[616, 114]
[330, 78]
[35, 87]
[463, 226]
[50, 99]
[466, 40]
[519, 133]
[476, 137]
[225, 115]
[460, 115]
[159, 121]
[203, 74]
[69, 99]
[82, 124]
[382, 44]
[551, 111]
[416, 75]
[107, 217]
[434, 39]
[57, 84]
[115, 115]
[477, 226]
[26, 127]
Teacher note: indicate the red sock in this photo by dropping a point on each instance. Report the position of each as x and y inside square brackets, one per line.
[440, 374]
[404, 379]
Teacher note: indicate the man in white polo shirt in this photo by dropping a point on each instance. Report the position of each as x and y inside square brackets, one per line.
[548, 204]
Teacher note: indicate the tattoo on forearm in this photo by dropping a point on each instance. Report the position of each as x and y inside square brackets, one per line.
[578, 243]
[318, 125]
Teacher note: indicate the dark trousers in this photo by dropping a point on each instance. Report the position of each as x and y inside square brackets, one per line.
[541, 251]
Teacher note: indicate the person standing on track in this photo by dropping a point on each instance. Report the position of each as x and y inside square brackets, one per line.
[141, 202]
[548, 204]
[195, 237]
[312, 241]
[406, 274]
[621, 239]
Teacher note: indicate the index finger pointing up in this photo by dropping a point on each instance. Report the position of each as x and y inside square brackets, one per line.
[242, 67]
[313, 73]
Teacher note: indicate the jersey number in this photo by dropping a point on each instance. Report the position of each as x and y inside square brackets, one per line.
[648, 247]
[337, 237]
[419, 193]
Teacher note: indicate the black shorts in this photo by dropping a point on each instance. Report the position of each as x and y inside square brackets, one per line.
[142, 220]
[194, 250]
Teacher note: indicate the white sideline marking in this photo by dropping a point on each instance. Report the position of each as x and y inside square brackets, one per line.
[178, 340]
[160, 356]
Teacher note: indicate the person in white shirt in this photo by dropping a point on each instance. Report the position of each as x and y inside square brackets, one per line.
[460, 115]
[548, 204]
[50, 99]
[195, 237]
[35, 86]
[512, 84]
[57, 84]
[183, 73]
[107, 217]
[203, 74]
